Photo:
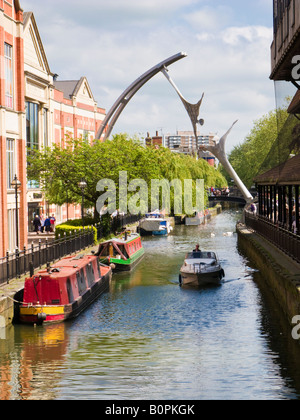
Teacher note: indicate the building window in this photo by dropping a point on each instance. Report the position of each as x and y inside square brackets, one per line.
[32, 133]
[10, 161]
[45, 117]
[8, 76]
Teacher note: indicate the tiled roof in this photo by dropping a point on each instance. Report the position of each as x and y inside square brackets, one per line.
[288, 173]
[68, 87]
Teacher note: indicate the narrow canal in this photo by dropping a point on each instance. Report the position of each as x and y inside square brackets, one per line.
[147, 338]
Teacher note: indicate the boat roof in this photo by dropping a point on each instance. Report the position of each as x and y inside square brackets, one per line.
[122, 240]
[67, 266]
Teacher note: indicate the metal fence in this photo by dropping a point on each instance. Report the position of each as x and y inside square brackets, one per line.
[21, 261]
[285, 240]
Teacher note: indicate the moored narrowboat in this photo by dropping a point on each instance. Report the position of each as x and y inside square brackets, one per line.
[123, 253]
[64, 290]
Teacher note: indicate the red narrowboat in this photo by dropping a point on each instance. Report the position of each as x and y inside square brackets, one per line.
[64, 290]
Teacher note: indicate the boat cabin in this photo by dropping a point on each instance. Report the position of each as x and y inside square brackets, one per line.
[64, 282]
[120, 248]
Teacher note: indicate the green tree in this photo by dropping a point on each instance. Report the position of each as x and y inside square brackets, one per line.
[248, 157]
[61, 169]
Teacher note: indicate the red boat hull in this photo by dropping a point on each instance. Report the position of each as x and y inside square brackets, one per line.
[64, 291]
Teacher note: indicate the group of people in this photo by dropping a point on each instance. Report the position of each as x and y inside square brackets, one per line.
[42, 224]
[214, 192]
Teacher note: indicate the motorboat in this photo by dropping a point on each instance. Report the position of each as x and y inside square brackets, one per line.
[62, 291]
[155, 223]
[122, 253]
[201, 269]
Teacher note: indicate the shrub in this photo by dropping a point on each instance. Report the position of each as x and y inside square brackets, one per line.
[74, 225]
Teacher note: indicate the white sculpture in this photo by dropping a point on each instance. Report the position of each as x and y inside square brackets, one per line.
[218, 150]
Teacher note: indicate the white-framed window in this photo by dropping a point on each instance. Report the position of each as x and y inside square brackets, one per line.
[10, 161]
[8, 75]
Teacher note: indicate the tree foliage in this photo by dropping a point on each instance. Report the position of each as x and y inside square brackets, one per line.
[248, 157]
[60, 169]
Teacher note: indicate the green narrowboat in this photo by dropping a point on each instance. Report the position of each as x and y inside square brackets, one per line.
[123, 252]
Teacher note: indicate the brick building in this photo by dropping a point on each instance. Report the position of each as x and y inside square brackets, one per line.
[12, 125]
[36, 111]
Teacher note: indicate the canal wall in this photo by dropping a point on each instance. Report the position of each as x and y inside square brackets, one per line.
[281, 273]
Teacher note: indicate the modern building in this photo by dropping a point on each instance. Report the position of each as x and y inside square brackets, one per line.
[185, 142]
[36, 111]
[279, 187]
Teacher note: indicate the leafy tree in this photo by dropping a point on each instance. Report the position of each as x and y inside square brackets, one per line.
[248, 157]
[60, 169]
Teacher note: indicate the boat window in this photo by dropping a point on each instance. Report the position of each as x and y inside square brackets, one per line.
[123, 250]
[197, 255]
[99, 269]
[90, 274]
[70, 291]
[81, 282]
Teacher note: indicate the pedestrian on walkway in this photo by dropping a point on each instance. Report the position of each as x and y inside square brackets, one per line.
[47, 224]
[36, 224]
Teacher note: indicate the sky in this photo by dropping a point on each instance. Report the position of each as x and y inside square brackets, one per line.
[113, 42]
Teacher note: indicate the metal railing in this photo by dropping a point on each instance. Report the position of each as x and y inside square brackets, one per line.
[285, 240]
[22, 261]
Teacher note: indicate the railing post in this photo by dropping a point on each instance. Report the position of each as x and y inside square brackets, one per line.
[40, 247]
[47, 252]
[25, 259]
[17, 253]
[7, 267]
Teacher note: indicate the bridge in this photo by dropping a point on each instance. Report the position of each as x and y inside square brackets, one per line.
[227, 198]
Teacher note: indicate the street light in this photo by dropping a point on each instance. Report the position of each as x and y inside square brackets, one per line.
[82, 185]
[16, 184]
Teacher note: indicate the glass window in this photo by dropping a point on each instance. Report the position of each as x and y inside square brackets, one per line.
[10, 161]
[32, 126]
[32, 133]
[8, 76]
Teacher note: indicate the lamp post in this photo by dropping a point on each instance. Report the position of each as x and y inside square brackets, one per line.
[16, 184]
[82, 185]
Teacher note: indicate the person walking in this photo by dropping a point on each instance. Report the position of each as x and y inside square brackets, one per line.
[47, 224]
[36, 224]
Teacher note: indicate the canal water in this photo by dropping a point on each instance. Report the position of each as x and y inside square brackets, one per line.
[148, 338]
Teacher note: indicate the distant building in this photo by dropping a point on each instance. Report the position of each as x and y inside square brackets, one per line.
[185, 142]
[154, 141]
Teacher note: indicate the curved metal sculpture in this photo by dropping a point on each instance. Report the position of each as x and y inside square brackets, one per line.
[193, 110]
[118, 107]
[218, 150]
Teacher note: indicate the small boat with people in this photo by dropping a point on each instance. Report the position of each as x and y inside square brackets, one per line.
[123, 253]
[155, 223]
[63, 290]
[201, 268]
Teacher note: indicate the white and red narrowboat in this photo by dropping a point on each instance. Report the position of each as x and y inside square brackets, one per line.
[64, 290]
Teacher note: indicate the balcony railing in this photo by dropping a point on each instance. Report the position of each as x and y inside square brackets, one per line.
[286, 241]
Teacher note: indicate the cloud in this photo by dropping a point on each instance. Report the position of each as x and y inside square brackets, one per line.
[113, 42]
[237, 35]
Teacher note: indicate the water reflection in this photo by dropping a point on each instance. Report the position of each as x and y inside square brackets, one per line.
[148, 338]
[30, 361]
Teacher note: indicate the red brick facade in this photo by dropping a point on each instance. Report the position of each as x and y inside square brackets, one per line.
[59, 114]
[11, 126]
